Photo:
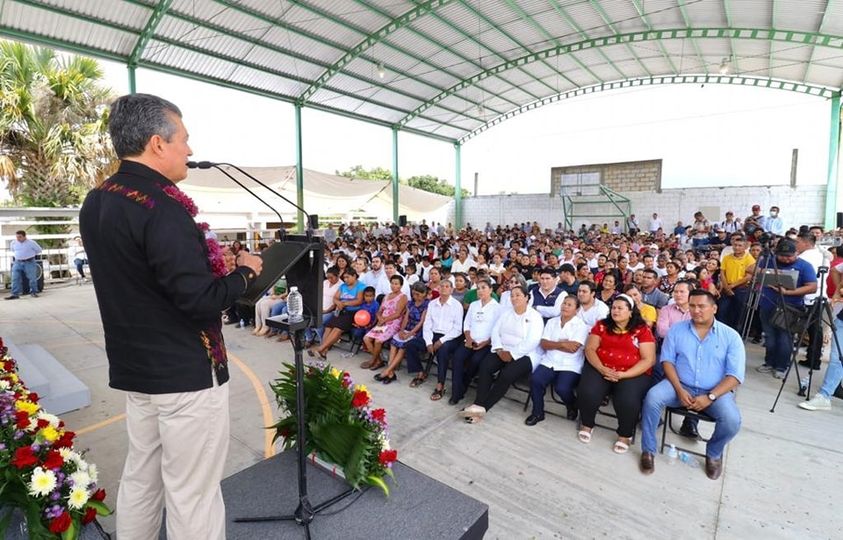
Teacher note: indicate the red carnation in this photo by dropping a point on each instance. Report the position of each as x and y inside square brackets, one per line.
[379, 415]
[90, 515]
[33, 397]
[60, 524]
[99, 495]
[65, 441]
[53, 460]
[42, 423]
[8, 365]
[21, 420]
[24, 457]
[388, 456]
[360, 399]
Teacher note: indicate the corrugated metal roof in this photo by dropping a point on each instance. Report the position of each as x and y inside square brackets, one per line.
[446, 68]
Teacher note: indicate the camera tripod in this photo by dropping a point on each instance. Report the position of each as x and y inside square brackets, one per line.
[820, 312]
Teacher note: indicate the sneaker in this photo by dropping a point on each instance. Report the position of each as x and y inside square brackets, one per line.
[778, 374]
[764, 368]
[12, 297]
[817, 403]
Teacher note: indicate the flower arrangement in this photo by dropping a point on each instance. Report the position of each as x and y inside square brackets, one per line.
[216, 255]
[342, 427]
[41, 472]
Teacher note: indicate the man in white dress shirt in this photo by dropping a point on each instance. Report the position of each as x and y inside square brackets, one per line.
[442, 331]
[591, 310]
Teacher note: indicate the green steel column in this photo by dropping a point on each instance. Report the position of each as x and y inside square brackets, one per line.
[395, 175]
[299, 172]
[833, 159]
[132, 85]
[458, 190]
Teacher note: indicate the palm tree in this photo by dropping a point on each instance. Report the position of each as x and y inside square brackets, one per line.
[54, 143]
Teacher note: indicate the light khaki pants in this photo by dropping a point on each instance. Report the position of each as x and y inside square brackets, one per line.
[177, 449]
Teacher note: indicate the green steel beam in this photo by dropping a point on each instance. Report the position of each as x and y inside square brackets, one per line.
[299, 171]
[639, 7]
[217, 55]
[474, 39]
[149, 30]
[814, 49]
[354, 28]
[532, 22]
[133, 87]
[727, 10]
[605, 16]
[369, 41]
[458, 188]
[511, 38]
[739, 80]
[395, 175]
[94, 52]
[805, 38]
[573, 24]
[687, 21]
[833, 162]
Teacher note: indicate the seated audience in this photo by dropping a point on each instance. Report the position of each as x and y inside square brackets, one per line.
[562, 344]
[387, 322]
[514, 354]
[411, 329]
[703, 361]
[621, 351]
[348, 299]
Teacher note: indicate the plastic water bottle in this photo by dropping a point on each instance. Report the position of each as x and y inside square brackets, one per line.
[688, 459]
[672, 455]
[242, 323]
[803, 384]
[295, 309]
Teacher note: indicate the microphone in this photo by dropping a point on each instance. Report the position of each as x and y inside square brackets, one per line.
[218, 166]
[208, 165]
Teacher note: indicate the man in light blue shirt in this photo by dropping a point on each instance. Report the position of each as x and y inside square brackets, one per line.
[773, 223]
[703, 361]
[25, 251]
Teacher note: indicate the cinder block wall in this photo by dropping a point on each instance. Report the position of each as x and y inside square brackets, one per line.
[802, 205]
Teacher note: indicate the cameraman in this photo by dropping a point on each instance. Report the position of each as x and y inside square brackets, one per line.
[778, 342]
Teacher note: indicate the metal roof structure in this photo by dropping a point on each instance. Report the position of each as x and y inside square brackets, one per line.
[449, 69]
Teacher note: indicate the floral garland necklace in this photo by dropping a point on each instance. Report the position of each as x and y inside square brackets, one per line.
[215, 251]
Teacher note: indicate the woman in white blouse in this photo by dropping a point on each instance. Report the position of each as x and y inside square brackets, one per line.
[477, 328]
[515, 353]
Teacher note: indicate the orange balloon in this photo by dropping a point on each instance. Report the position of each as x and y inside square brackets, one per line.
[362, 318]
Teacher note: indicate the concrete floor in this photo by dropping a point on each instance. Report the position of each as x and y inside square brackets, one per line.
[781, 480]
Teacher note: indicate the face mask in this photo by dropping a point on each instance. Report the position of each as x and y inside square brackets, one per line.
[773, 214]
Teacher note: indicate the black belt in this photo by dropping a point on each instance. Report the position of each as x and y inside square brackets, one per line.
[26, 260]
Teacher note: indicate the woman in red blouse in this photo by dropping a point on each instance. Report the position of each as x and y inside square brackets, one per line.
[621, 352]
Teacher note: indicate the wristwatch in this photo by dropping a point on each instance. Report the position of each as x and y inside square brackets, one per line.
[712, 396]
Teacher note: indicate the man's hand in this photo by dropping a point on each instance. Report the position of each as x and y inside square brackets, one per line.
[505, 356]
[685, 398]
[469, 343]
[252, 261]
[700, 403]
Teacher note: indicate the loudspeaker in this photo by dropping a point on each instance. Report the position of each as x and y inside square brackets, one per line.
[314, 221]
[402, 221]
[839, 219]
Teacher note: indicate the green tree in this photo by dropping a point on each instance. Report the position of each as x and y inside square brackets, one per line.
[54, 143]
[358, 171]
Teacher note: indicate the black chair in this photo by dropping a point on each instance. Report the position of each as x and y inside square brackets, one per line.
[686, 413]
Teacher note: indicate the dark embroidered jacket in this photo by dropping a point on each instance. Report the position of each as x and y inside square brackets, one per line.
[160, 303]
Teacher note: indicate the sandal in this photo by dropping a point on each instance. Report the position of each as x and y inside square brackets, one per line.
[367, 364]
[584, 436]
[417, 381]
[377, 365]
[620, 447]
[391, 378]
[437, 394]
[379, 377]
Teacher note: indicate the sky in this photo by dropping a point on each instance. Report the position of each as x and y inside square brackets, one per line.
[711, 135]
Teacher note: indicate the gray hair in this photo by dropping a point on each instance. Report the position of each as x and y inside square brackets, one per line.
[135, 118]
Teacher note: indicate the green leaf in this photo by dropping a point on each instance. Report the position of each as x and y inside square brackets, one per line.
[377, 481]
[101, 508]
[71, 533]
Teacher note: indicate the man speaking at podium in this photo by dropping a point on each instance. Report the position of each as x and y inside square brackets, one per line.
[160, 304]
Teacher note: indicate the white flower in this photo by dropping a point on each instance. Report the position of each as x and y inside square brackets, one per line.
[4, 385]
[51, 418]
[92, 472]
[78, 497]
[80, 479]
[43, 482]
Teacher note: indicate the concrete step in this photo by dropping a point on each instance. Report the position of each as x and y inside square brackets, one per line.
[66, 392]
[35, 380]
